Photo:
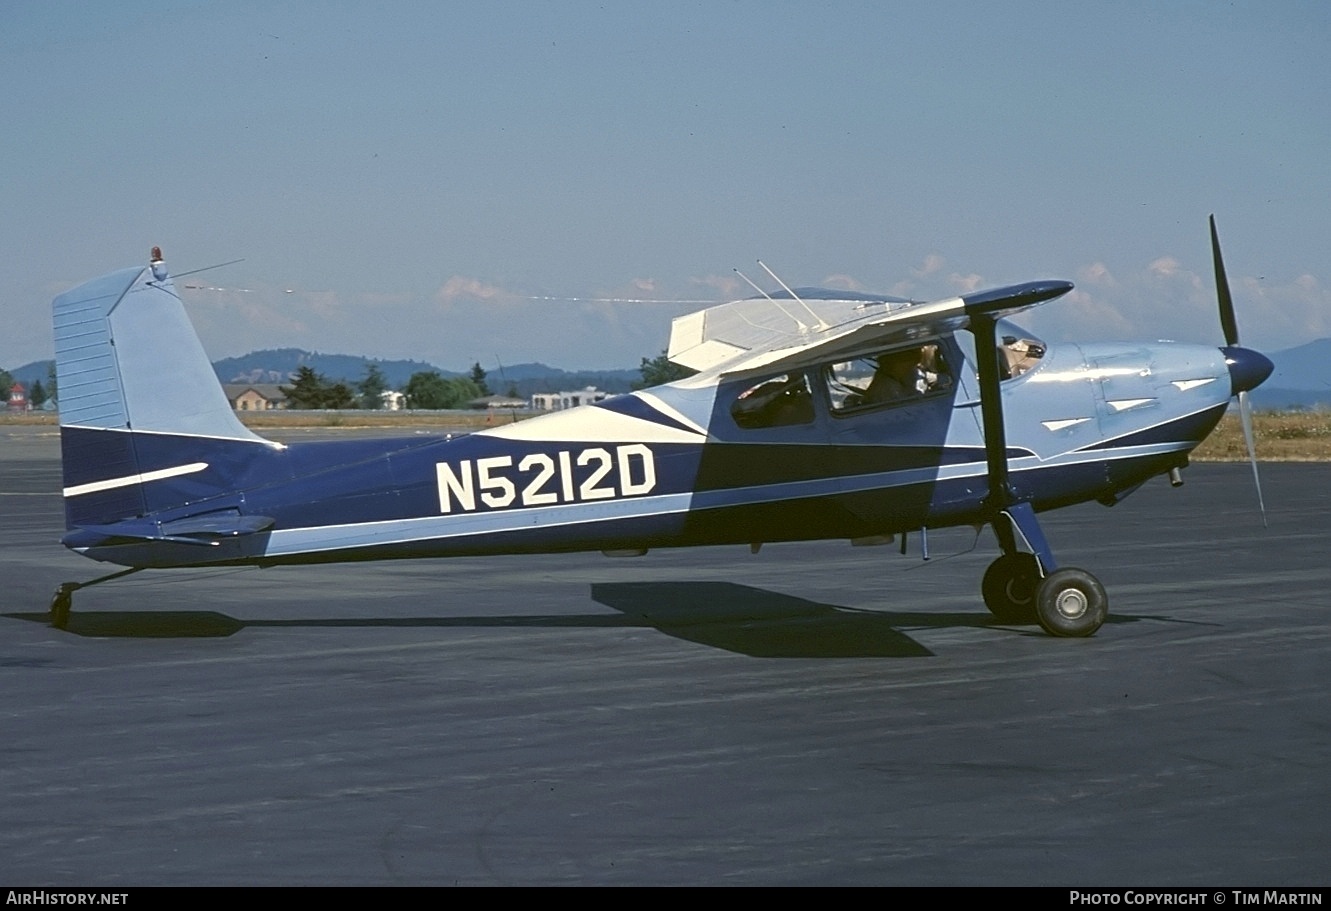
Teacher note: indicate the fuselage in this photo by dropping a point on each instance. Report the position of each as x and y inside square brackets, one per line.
[682, 464]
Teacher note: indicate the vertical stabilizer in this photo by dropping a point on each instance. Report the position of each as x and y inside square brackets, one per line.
[136, 394]
[127, 358]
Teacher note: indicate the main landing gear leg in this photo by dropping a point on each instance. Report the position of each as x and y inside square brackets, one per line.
[1025, 585]
[63, 599]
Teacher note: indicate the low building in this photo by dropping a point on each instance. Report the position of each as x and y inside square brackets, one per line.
[18, 398]
[255, 396]
[559, 401]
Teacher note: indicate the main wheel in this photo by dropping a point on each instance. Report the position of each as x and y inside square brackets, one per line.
[1009, 586]
[1071, 602]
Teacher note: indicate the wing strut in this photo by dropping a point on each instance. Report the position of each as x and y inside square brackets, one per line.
[1001, 494]
[1010, 518]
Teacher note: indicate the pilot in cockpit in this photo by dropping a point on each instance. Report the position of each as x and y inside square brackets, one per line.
[905, 373]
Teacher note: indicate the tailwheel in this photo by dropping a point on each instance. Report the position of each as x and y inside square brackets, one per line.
[61, 602]
[1070, 602]
[63, 599]
[1009, 587]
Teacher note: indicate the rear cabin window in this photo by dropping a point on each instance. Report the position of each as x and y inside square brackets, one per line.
[776, 402]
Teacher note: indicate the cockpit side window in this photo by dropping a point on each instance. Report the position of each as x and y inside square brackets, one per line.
[889, 377]
[778, 401]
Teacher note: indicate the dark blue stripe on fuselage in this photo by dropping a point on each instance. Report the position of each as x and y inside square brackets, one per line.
[339, 482]
[1192, 429]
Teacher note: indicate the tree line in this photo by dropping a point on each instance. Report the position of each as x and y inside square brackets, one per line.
[429, 389]
[426, 389]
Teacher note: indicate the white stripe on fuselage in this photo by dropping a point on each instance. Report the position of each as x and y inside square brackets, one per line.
[132, 479]
[592, 424]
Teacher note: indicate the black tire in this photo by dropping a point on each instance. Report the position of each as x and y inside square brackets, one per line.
[60, 606]
[1009, 587]
[1071, 602]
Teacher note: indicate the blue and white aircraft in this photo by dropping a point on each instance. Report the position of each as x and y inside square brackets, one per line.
[814, 414]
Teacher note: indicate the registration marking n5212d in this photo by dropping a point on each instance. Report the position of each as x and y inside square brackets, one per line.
[545, 479]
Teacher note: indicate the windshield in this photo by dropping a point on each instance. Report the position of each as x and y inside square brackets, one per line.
[1019, 350]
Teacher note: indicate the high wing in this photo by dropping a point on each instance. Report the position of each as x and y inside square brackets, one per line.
[790, 330]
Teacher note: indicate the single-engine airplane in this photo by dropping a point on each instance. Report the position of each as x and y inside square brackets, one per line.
[814, 414]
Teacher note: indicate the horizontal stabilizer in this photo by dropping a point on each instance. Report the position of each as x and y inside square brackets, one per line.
[206, 529]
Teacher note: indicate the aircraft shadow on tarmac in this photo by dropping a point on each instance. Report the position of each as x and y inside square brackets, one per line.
[766, 624]
[724, 615]
[757, 622]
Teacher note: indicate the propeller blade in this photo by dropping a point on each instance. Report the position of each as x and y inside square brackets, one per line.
[1227, 321]
[1245, 417]
[1245, 364]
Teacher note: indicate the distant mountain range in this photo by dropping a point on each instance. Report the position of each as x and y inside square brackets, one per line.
[279, 365]
[1302, 378]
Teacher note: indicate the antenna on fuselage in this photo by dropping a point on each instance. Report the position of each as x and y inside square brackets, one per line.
[793, 317]
[754, 286]
[796, 297]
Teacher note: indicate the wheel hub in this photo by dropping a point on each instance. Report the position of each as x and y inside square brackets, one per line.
[1071, 603]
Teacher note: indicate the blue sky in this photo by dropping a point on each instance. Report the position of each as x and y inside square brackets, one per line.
[410, 179]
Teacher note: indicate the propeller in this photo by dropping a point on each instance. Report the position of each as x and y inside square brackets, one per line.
[1247, 368]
